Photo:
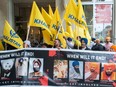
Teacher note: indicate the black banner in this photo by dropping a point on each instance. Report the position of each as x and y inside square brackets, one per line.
[52, 67]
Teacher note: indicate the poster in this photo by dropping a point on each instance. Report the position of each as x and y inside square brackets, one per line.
[51, 67]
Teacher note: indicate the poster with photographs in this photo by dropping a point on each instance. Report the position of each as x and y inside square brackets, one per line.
[48, 67]
[60, 71]
[35, 68]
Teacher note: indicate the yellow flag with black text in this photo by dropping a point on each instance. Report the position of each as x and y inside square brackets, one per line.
[71, 12]
[82, 19]
[55, 23]
[46, 16]
[36, 18]
[81, 15]
[11, 37]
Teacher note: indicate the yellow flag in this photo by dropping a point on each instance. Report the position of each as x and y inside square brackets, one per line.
[67, 34]
[46, 16]
[1, 45]
[61, 34]
[69, 29]
[55, 23]
[87, 35]
[47, 38]
[81, 15]
[10, 36]
[63, 41]
[82, 19]
[71, 12]
[50, 11]
[36, 18]
[78, 32]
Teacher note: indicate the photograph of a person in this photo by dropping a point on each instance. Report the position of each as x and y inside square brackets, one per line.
[21, 66]
[92, 70]
[108, 72]
[60, 69]
[35, 67]
[7, 69]
[75, 70]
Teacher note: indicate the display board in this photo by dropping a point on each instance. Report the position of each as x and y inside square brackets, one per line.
[53, 67]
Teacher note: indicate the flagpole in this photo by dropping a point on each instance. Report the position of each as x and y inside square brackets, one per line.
[28, 31]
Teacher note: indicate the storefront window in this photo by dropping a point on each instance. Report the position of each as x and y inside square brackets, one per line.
[103, 19]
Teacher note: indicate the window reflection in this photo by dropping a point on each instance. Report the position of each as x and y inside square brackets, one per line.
[88, 9]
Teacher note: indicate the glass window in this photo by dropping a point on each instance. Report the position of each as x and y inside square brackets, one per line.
[103, 19]
[88, 9]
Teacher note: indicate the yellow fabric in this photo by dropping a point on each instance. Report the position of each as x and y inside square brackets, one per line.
[46, 16]
[78, 32]
[63, 42]
[10, 36]
[36, 18]
[61, 34]
[87, 35]
[67, 34]
[55, 23]
[69, 29]
[50, 11]
[81, 15]
[1, 45]
[82, 21]
[47, 38]
[78, 43]
[71, 12]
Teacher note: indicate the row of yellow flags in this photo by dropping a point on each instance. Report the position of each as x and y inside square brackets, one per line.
[51, 25]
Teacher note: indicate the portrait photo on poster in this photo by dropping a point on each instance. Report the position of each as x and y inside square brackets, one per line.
[92, 71]
[35, 68]
[7, 69]
[60, 71]
[21, 66]
[108, 72]
[75, 70]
